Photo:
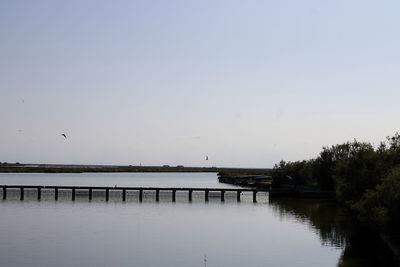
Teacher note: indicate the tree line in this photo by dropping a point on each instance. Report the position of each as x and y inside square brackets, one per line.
[365, 178]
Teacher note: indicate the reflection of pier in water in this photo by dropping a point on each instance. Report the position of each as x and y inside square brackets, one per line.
[124, 191]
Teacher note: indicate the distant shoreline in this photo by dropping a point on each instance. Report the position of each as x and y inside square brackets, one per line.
[59, 168]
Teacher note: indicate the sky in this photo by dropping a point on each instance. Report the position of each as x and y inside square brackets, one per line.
[246, 83]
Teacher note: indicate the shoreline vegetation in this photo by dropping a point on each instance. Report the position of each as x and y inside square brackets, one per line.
[365, 179]
[361, 177]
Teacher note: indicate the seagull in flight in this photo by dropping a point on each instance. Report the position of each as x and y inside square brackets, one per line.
[64, 136]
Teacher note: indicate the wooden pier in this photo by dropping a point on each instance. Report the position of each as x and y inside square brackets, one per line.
[124, 190]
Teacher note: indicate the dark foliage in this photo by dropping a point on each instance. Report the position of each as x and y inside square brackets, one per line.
[366, 179]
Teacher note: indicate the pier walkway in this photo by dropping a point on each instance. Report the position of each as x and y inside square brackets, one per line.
[124, 191]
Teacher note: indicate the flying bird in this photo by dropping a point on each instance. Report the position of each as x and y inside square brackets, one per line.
[64, 136]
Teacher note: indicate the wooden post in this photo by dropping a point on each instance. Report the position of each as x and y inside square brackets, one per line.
[73, 194]
[56, 193]
[222, 195]
[4, 192]
[140, 195]
[190, 195]
[107, 194]
[39, 193]
[123, 194]
[21, 193]
[90, 194]
[173, 195]
[238, 195]
[254, 196]
[157, 195]
[206, 195]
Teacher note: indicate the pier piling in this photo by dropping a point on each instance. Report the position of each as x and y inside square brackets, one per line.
[4, 192]
[190, 195]
[90, 194]
[107, 194]
[254, 196]
[173, 195]
[21, 190]
[39, 193]
[73, 194]
[140, 195]
[123, 194]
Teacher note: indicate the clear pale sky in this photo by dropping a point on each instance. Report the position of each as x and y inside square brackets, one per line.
[247, 83]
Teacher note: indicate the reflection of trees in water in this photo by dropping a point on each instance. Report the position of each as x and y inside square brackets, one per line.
[331, 223]
[334, 226]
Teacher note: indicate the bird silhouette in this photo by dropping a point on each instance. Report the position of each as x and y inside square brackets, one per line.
[64, 136]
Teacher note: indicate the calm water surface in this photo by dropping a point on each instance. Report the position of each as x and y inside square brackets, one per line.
[110, 179]
[82, 233]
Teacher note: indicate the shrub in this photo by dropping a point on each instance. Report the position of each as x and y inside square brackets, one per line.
[380, 207]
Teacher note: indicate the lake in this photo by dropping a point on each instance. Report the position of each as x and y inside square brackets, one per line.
[284, 232]
[186, 179]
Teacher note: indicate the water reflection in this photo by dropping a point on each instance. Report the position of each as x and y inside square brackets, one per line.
[335, 227]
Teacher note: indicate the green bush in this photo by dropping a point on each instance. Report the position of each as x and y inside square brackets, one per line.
[365, 179]
[380, 207]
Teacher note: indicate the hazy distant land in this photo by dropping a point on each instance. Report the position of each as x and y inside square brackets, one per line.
[65, 168]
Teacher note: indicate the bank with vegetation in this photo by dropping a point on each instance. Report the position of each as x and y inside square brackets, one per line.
[364, 178]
